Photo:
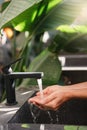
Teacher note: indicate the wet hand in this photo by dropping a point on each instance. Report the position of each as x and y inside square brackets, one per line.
[53, 98]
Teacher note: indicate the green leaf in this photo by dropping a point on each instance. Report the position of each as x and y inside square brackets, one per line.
[67, 127]
[69, 38]
[4, 6]
[47, 63]
[27, 126]
[62, 14]
[82, 128]
[40, 15]
[15, 8]
[73, 29]
[29, 19]
[50, 15]
[77, 44]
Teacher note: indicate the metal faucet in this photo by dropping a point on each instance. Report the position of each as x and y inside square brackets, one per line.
[10, 77]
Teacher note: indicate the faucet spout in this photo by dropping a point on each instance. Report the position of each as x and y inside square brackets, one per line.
[10, 83]
[10, 77]
[20, 75]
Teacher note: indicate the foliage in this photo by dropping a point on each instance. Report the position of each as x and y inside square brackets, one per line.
[72, 127]
[70, 39]
[64, 17]
[48, 63]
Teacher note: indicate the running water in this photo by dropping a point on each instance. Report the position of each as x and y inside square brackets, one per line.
[42, 96]
[32, 113]
[39, 81]
[34, 110]
[42, 127]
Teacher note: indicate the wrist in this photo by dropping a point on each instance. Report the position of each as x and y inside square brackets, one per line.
[69, 93]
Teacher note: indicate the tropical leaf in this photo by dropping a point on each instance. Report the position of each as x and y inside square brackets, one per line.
[76, 38]
[82, 128]
[4, 6]
[77, 44]
[49, 15]
[41, 15]
[15, 8]
[64, 13]
[47, 63]
[71, 127]
[69, 38]
[30, 18]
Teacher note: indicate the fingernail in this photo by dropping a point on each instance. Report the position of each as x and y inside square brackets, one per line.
[30, 100]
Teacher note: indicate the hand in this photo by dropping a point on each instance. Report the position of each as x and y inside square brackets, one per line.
[53, 98]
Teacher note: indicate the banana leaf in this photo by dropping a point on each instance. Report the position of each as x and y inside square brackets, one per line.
[41, 15]
[14, 9]
[70, 39]
[47, 63]
[37, 16]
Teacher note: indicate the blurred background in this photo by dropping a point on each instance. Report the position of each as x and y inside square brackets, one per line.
[48, 34]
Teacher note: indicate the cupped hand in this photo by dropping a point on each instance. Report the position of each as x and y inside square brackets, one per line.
[53, 98]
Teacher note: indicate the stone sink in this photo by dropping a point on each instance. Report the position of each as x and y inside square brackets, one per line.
[73, 112]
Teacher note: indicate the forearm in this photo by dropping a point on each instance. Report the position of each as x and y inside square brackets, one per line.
[82, 85]
[77, 90]
[55, 96]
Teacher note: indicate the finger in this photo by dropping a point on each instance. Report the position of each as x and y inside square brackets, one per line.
[52, 105]
[36, 99]
[33, 99]
[48, 98]
[37, 105]
[46, 105]
[43, 103]
[45, 91]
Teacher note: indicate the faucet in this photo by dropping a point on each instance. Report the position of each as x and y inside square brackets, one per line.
[10, 77]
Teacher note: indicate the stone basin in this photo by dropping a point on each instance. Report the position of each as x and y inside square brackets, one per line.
[73, 112]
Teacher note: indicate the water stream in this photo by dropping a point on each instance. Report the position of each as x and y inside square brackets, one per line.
[42, 127]
[34, 110]
[32, 113]
[39, 81]
[42, 96]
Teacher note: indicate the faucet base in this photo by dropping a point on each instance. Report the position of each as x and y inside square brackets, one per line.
[11, 104]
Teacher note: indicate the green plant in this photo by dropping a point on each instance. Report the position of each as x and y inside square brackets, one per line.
[38, 16]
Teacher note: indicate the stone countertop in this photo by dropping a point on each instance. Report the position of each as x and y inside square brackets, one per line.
[32, 127]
